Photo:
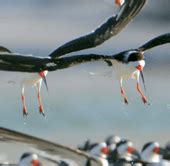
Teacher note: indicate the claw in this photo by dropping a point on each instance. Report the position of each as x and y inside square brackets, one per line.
[144, 99]
[126, 100]
[41, 110]
[25, 113]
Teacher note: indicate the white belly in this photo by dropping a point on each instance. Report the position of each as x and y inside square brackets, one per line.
[123, 70]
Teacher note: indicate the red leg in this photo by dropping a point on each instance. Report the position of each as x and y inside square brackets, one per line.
[41, 109]
[144, 99]
[124, 96]
[123, 91]
[25, 113]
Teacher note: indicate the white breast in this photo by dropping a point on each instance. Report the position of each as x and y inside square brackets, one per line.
[123, 70]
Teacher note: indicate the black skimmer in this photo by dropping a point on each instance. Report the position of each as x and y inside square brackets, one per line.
[100, 151]
[29, 159]
[112, 142]
[127, 64]
[125, 151]
[104, 32]
[152, 153]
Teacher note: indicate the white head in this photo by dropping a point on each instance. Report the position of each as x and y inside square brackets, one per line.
[151, 152]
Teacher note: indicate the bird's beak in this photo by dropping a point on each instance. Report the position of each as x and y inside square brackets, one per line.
[143, 79]
[45, 82]
[35, 162]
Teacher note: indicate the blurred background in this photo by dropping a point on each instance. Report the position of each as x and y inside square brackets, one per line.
[79, 106]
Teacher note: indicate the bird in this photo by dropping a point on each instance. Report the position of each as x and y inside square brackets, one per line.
[39, 67]
[29, 159]
[152, 154]
[130, 64]
[29, 79]
[125, 151]
[100, 151]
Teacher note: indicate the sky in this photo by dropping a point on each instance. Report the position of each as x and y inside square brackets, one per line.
[80, 106]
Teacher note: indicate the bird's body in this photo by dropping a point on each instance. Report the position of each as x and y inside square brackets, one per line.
[33, 80]
[29, 159]
[100, 151]
[128, 65]
[152, 155]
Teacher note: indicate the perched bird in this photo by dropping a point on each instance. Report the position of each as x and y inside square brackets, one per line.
[125, 151]
[112, 141]
[152, 155]
[100, 151]
[29, 159]
[151, 152]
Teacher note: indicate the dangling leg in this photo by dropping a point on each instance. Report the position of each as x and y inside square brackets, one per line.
[25, 113]
[123, 91]
[41, 110]
[144, 99]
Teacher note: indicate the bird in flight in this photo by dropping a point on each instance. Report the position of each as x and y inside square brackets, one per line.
[130, 64]
[38, 68]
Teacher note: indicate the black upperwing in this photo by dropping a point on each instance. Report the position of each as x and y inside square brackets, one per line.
[108, 29]
[51, 149]
[160, 40]
[23, 63]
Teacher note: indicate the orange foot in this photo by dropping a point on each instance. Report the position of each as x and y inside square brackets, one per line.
[126, 100]
[144, 99]
[41, 110]
[25, 113]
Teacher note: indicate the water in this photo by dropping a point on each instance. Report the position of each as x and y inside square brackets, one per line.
[78, 105]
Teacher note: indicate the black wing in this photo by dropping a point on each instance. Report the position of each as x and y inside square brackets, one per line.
[25, 63]
[50, 148]
[110, 28]
[160, 40]
[19, 62]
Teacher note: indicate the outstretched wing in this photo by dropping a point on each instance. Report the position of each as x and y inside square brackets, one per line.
[110, 28]
[160, 40]
[18, 62]
[48, 147]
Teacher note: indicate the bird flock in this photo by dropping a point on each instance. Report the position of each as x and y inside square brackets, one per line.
[127, 64]
[115, 151]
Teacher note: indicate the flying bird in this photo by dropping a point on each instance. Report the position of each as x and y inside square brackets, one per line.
[39, 67]
[127, 64]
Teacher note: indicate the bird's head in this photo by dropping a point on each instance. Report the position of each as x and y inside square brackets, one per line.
[29, 159]
[136, 59]
[151, 152]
